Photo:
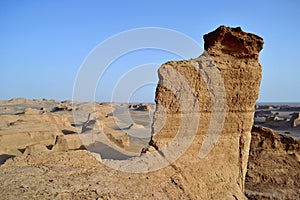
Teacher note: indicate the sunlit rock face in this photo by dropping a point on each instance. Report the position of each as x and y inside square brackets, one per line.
[205, 113]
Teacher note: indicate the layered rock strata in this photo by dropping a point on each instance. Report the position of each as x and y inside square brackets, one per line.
[205, 113]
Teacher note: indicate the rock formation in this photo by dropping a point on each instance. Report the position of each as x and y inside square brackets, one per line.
[35, 148]
[274, 166]
[208, 104]
[295, 119]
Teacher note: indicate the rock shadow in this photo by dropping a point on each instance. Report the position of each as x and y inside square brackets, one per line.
[106, 151]
[4, 157]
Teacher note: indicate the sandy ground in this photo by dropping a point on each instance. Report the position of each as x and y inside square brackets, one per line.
[116, 131]
[52, 150]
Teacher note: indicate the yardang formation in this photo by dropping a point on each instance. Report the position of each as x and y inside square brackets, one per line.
[234, 54]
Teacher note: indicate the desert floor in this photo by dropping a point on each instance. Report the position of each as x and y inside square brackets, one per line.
[42, 156]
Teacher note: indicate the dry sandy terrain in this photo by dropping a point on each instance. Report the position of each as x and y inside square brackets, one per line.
[49, 160]
[108, 128]
[279, 117]
[274, 166]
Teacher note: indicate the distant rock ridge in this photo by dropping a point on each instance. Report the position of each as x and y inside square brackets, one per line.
[227, 73]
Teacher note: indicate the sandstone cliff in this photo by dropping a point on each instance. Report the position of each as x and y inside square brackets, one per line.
[208, 106]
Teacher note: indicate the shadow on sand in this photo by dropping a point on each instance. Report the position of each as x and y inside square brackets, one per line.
[106, 151]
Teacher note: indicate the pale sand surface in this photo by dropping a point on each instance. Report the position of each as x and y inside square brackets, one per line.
[46, 161]
[113, 130]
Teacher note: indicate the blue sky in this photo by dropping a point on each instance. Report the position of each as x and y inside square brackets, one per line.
[44, 43]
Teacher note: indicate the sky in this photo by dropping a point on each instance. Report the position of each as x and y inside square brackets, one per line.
[43, 44]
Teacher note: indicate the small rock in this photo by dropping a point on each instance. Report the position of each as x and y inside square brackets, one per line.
[62, 107]
[295, 119]
[35, 148]
[32, 111]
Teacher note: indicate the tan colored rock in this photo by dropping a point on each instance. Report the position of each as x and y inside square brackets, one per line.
[122, 140]
[274, 166]
[32, 111]
[216, 91]
[295, 119]
[67, 142]
[22, 139]
[35, 148]
[62, 107]
[60, 144]
[18, 100]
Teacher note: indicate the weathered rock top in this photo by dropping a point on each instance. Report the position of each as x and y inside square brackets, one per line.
[234, 42]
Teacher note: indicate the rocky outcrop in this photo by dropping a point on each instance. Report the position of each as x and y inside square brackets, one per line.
[31, 111]
[140, 107]
[205, 113]
[295, 120]
[33, 127]
[67, 142]
[35, 148]
[274, 166]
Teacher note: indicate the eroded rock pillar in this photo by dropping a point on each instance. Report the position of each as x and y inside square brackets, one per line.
[209, 102]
